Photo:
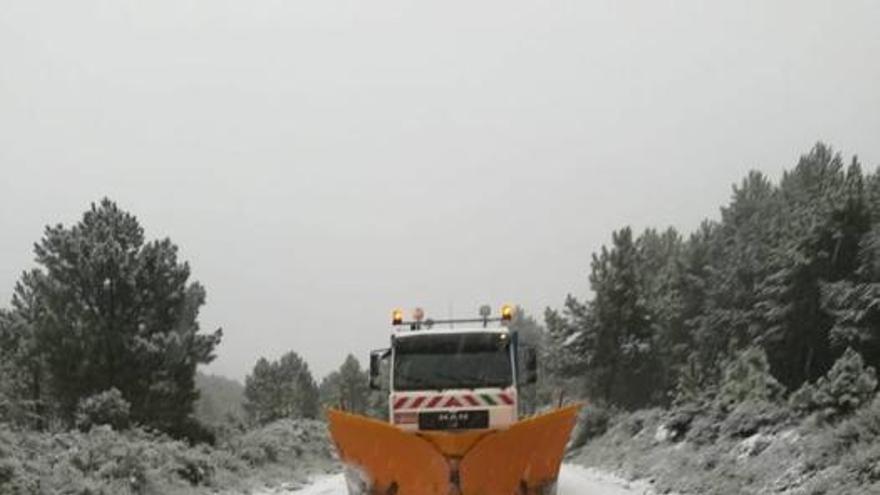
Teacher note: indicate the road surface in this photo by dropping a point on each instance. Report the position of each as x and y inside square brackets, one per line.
[573, 480]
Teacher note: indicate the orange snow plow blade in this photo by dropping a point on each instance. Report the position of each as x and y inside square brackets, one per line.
[523, 459]
[381, 459]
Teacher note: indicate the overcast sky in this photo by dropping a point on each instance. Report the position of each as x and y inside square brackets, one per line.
[320, 163]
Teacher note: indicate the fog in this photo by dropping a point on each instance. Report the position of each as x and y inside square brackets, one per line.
[320, 163]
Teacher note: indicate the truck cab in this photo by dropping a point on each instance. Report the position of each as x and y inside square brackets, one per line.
[463, 377]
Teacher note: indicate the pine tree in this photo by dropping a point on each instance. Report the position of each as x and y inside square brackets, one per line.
[728, 260]
[280, 389]
[824, 217]
[747, 378]
[792, 269]
[704, 348]
[7, 371]
[567, 355]
[848, 385]
[624, 357]
[330, 391]
[23, 394]
[854, 304]
[662, 288]
[105, 310]
[348, 388]
[260, 393]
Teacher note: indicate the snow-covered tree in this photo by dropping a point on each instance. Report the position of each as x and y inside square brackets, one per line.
[348, 388]
[280, 389]
[747, 378]
[848, 385]
[107, 309]
[790, 268]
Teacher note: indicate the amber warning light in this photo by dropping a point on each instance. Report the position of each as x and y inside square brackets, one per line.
[419, 321]
[397, 317]
[506, 312]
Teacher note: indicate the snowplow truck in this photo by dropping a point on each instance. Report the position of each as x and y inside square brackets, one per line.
[455, 425]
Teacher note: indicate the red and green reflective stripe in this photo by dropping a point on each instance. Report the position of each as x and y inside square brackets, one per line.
[457, 400]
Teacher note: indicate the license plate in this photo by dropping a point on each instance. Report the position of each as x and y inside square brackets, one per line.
[454, 420]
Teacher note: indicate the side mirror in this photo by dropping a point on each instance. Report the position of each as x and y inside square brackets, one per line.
[531, 365]
[376, 358]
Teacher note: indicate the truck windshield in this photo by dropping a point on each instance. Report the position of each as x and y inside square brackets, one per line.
[447, 361]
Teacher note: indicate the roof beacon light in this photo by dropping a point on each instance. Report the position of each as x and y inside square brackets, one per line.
[418, 314]
[397, 317]
[506, 312]
[485, 310]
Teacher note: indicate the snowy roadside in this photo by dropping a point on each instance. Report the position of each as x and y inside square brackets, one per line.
[573, 480]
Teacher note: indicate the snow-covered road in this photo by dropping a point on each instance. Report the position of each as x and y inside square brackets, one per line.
[573, 480]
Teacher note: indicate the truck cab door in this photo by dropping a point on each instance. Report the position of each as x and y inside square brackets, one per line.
[376, 358]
